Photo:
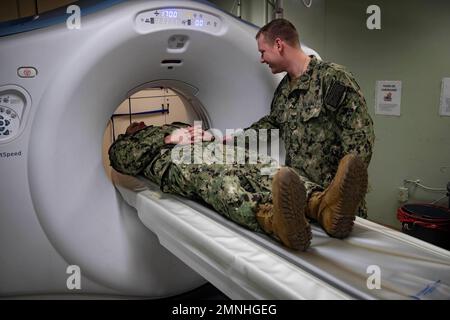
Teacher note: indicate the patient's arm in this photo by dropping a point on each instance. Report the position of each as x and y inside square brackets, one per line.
[132, 152]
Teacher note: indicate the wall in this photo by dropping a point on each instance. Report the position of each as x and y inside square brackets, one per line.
[309, 21]
[13, 9]
[412, 46]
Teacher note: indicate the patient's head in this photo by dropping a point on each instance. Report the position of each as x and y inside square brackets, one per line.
[135, 126]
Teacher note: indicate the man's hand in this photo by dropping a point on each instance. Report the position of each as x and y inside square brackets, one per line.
[188, 135]
[135, 126]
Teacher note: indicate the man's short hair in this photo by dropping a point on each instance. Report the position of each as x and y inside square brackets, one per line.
[280, 28]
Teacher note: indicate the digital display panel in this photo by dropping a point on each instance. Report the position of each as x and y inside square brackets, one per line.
[167, 17]
[169, 13]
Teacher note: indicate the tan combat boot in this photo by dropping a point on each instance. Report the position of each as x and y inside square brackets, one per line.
[335, 208]
[285, 218]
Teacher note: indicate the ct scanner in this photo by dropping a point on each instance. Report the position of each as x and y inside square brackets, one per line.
[58, 89]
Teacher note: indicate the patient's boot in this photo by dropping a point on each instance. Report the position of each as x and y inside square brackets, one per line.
[335, 208]
[285, 218]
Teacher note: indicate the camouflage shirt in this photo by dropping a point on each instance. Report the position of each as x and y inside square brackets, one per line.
[130, 154]
[322, 116]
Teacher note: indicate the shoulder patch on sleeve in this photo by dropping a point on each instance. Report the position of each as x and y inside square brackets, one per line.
[335, 95]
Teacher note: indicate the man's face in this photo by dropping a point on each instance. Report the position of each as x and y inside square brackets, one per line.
[271, 54]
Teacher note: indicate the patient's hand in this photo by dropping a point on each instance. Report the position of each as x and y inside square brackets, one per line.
[135, 126]
[188, 135]
[227, 139]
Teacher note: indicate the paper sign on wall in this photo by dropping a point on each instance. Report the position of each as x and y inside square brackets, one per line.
[444, 110]
[388, 98]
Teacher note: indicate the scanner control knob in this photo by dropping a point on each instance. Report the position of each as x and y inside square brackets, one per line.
[9, 123]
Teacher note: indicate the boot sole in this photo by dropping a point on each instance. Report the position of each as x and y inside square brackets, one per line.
[353, 190]
[289, 200]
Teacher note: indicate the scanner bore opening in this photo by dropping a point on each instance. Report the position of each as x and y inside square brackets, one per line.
[154, 105]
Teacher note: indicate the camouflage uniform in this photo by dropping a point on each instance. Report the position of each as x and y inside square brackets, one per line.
[234, 190]
[322, 116]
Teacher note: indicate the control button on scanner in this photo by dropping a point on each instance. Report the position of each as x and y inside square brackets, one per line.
[26, 72]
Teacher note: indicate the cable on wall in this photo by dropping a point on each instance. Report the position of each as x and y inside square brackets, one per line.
[417, 183]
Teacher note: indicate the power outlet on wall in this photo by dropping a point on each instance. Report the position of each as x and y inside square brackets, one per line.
[403, 194]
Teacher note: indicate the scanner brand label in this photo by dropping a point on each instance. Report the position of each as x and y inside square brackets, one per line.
[6, 155]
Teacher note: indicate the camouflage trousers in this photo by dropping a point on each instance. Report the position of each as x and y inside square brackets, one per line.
[233, 190]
